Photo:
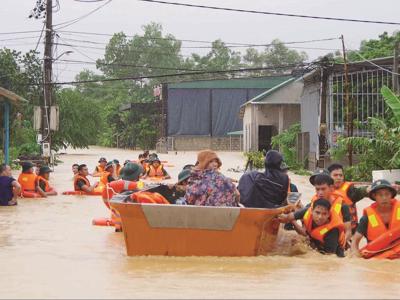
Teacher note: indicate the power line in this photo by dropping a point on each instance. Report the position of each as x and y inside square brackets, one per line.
[270, 13]
[20, 32]
[175, 75]
[71, 22]
[40, 37]
[227, 45]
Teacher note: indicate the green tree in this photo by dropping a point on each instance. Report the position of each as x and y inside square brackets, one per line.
[274, 56]
[79, 120]
[375, 48]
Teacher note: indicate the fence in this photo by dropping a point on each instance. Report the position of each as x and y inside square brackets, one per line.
[364, 94]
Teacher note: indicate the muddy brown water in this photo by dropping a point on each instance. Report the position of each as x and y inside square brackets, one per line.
[49, 249]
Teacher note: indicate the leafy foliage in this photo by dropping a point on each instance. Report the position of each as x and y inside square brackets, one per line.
[286, 143]
[257, 157]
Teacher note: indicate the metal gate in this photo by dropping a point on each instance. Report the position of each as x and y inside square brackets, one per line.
[364, 92]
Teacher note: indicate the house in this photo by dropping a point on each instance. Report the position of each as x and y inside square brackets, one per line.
[270, 112]
[204, 114]
[324, 115]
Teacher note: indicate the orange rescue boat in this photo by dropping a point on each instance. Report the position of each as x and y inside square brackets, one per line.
[184, 230]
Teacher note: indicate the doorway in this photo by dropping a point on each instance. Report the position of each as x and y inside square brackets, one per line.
[265, 134]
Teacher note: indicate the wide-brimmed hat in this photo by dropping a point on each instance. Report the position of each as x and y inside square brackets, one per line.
[183, 175]
[318, 172]
[205, 157]
[44, 170]
[102, 159]
[153, 159]
[131, 171]
[26, 166]
[379, 185]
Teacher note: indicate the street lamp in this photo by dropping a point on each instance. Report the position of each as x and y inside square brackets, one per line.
[66, 52]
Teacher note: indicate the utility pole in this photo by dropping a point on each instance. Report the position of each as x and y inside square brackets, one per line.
[48, 68]
[395, 77]
[349, 104]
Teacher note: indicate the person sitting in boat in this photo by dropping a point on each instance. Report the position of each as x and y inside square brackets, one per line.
[81, 183]
[207, 186]
[189, 167]
[324, 189]
[268, 189]
[109, 174]
[99, 170]
[324, 228]
[43, 185]
[75, 169]
[292, 187]
[175, 193]
[27, 179]
[351, 194]
[9, 187]
[156, 170]
[379, 220]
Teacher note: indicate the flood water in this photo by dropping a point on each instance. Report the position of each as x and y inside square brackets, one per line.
[49, 249]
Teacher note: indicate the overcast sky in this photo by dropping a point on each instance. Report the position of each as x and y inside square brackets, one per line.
[201, 24]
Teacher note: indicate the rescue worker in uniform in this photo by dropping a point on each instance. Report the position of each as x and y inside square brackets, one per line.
[323, 184]
[27, 179]
[380, 217]
[81, 183]
[350, 194]
[43, 185]
[99, 170]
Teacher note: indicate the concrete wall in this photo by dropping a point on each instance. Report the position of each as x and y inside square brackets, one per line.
[196, 143]
[282, 116]
[310, 107]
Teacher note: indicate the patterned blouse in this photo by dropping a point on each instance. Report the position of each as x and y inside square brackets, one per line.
[211, 188]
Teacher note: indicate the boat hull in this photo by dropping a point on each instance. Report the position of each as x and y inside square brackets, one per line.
[175, 230]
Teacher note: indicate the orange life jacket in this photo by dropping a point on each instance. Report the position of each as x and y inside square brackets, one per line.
[100, 169]
[318, 233]
[153, 172]
[376, 227]
[104, 177]
[336, 201]
[46, 182]
[352, 206]
[80, 177]
[148, 197]
[117, 169]
[118, 186]
[27, 181]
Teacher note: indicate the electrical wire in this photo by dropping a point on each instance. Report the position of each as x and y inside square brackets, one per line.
[71, 22]
[227, 45]
[40, 37]
[269, 13]
[177, 74]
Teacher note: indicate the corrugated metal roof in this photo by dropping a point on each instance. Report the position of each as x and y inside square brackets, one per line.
[242, 83]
